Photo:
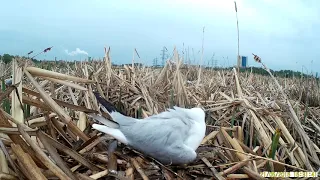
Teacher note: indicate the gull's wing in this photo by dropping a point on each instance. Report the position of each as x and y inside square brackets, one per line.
[152, 134]
[160, 138]
[177, 112]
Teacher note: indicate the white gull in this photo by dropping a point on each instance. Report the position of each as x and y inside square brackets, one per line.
[170, 137]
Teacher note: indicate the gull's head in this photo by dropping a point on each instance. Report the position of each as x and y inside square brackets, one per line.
[198, 114]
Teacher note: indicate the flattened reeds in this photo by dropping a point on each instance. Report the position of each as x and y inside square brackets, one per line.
[245, 115]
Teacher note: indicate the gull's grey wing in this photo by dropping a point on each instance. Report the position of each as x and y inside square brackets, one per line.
[161, 136]
[177, 112]
[161, 129]
[162, 139]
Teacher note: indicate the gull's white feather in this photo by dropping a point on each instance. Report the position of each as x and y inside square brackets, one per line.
[116, 133]
[103, 120]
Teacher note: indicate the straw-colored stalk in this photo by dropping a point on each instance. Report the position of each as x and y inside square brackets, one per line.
[66, 83]
[45, 73]
[214, 171]
[3, 162]
[201, 61]
[42, 156]
[64, 116]
[54, 155]
[16, 96]
[24, 158]
[100, 174]
[139, 169]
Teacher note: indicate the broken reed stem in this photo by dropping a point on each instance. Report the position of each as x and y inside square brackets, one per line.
[27, 162]
[54, 155]
[16, 108]
[238, 58]
[260, 157]
[112, 163]
[18, 140]
[3, 162]
[235, 167]
[100, 174]
[70, 152]
[296, 122]
[199, 73]
[214, 171]
[42, 156]
[139, 169]
[253, 174]
[66, 118]
[12, 164]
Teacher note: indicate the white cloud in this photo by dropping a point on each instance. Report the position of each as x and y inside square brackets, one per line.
[76, 52]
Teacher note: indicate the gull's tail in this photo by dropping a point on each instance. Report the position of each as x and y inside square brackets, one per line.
[109, 126]
[107, 105]
[116, 133]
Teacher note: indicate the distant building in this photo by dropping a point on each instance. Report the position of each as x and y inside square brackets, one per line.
[242, 61]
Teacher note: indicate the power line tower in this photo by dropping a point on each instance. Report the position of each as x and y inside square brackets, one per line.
[155, 62]
[215, 63]
[212, 60]
[163, 55]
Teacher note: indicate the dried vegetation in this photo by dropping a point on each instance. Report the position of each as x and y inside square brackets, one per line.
[254, 123]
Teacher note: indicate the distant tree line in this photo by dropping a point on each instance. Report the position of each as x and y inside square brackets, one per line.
[281, 73]
[7, 58]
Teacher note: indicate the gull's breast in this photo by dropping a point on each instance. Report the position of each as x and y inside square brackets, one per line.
[196, 135]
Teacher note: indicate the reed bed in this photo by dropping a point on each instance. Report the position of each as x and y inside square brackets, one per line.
[254, 123]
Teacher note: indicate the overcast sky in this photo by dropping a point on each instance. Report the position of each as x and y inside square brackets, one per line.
[285, 34]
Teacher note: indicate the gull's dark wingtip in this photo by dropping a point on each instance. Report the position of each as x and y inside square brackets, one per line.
[110, 108]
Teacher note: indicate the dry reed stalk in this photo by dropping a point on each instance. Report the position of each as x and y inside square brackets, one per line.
[55, 75]
[88, 147]
[235, 167]
[260, 157]
[82, 122]
[5, 94]
[54, 155]
[84, 177]
[138, 168]
[253, 174]
[42, 156]
[6, 176]
[12, 164]
[112, 163]
[296, 121]
[234, 143]
[237, 176]
[66, 118]
[100, 174]
[129, 173]
[3, 163]
[108, 70]
[104, 158]
[210, 136]
[27, 162]
[66, 83]
[16, 100]
[59, 102]
[214, 171]
[18, 140]
[70, 152]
